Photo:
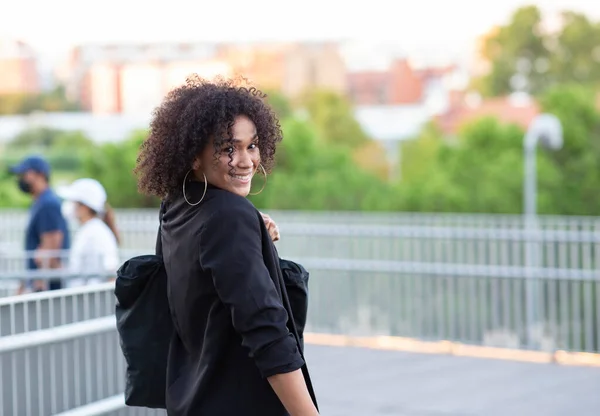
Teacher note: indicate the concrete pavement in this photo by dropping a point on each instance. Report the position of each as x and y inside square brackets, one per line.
[358, 381]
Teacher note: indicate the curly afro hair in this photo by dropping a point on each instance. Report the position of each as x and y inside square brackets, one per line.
[188, 118]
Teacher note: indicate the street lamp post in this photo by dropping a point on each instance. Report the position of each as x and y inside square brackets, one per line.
[545, 129]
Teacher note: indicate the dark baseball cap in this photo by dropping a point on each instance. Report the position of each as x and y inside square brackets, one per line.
[34, 163]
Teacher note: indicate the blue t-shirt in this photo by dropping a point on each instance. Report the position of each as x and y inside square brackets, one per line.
[45, 216]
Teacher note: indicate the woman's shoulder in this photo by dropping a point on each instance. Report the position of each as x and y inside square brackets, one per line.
[221, 202]
[217, 207]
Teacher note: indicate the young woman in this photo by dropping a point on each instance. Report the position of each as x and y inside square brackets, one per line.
[94, 254]
[232, 353]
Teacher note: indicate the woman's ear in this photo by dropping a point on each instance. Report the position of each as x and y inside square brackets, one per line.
[196, 165]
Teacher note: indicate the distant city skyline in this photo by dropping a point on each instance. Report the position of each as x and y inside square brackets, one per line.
[433, 31]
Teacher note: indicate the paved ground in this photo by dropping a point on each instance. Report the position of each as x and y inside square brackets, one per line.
[362, 382]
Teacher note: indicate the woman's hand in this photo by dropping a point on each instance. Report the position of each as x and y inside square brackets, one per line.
[271, 227]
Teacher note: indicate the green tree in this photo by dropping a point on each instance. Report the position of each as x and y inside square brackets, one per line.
[56, 101]
[11, 104]
[68, 149]
[63, 149]
[112, 165]
[579, 159]
[280, 104]
[10, 195]
[518, 47]
[481, 172]
[418, 156]
[315, 175]
[541, 59]
[72, 141]
[576, 56]
[333, 118]
[35, 139]
[50, 101]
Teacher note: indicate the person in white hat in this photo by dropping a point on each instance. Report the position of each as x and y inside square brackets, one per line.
[94, 253]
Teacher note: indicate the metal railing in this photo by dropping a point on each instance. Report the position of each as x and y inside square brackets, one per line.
[44, 310]
[459, 278]
[466, 305]
[59, 352]
[13, 270]
[138, 226]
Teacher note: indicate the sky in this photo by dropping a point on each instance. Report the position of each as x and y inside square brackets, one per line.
[444, 29]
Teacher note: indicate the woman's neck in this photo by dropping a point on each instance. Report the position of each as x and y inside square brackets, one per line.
[86, 219]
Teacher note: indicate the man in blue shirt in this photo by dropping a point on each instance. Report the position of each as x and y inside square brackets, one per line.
[47, 228]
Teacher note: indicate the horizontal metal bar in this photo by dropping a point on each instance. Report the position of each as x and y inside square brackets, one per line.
[125, 215]
[57, 334]
[428, 232]
[12, 254]
[29, 254]
[457, 231]
[447, 269]
[52, 294]
[49, 274]
[99, 407]
[487, 231]
[433, 268]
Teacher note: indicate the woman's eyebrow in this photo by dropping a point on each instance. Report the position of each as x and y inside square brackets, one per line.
[234, 140]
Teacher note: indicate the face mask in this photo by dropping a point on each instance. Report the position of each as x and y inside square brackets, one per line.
[68, 210]
[24, 186]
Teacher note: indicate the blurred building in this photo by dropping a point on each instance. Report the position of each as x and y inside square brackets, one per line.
[262, 64]
[401, 84]
[133, 79]
[309, 66]
[394, 104]
[137, 88]
[291, 68]
[99, 89]
[517, 108]
[18, 68]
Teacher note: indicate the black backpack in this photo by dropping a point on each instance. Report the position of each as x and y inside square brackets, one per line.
[145, 326]
[295, 278]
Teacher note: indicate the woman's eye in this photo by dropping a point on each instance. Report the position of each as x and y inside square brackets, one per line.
[228, 149]
[253, 146]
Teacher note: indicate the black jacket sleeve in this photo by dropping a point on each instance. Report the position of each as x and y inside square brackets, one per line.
[231, 250]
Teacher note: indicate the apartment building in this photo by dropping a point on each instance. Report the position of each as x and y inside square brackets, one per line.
[18, 68]
[134, 78]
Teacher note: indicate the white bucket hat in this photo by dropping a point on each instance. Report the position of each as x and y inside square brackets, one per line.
[88, 192]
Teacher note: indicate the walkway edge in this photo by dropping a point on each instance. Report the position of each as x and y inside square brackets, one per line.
[454, 348]
[110, 404]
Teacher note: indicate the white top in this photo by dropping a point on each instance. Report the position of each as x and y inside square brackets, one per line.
[94, 252]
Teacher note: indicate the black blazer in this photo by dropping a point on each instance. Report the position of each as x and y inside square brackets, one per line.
[230, 323]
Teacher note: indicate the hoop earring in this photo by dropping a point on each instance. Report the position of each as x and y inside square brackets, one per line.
[203, 194]
[264, 184]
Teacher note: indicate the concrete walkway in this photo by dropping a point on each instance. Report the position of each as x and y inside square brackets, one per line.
[363, 382]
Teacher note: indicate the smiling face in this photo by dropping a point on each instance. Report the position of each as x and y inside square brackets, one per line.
[237, 160]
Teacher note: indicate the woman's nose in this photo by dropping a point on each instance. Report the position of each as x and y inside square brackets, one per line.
[244, 159]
